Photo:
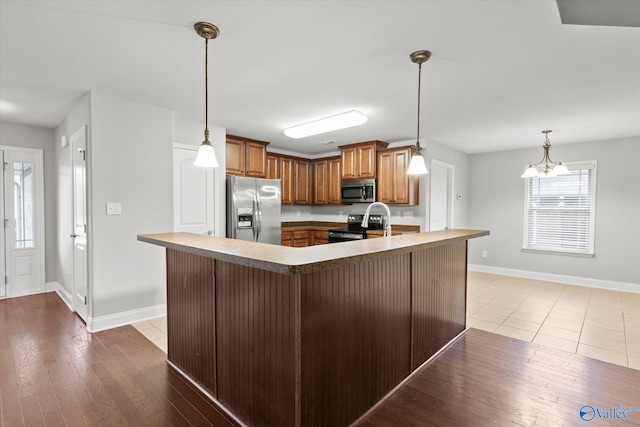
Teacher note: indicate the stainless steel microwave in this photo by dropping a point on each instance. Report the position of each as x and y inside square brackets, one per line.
[358, 191]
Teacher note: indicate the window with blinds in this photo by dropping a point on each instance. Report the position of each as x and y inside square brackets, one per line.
[560, 211]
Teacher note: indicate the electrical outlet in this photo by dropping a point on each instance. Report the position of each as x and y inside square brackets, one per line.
[484, 254]
[341, 213]
[114, 208]
[298, 213]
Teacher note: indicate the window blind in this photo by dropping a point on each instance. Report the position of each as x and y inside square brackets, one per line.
[559, 211]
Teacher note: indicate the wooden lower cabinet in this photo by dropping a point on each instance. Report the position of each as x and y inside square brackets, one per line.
[300, 238]
[320, 237]
[303, 238]
[287, 238]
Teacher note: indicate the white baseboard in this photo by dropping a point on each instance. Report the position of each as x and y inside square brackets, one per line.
[560, 278]
[65, 296]
[96, 324]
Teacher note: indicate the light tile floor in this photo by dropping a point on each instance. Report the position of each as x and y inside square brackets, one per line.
[596, 323]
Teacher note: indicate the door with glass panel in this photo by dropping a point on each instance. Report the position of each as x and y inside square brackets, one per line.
[23, 221]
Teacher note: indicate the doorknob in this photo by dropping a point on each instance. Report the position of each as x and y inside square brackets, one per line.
[73, 235]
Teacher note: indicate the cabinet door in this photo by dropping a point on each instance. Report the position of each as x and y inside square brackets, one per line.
[255, 159]
[273, 167]
[235, 156]
[302, 185]
[287, 238]
[366, 161]
[400, 179]
[301, 238]
[394, 185]
[320, 182]
[333, 197]
[386, 175]
[286, 174]
[349, 163]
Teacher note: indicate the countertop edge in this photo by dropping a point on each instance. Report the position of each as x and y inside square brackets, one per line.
[293, 261]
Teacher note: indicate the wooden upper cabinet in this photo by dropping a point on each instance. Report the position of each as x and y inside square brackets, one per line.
[335, 191]
[326, 181]
[359, 160]
[320, 182]
[394, 185]
[246, 157]
[273, 167]
[235, 156]
[256, 159]
[302, 187]
[286, 175]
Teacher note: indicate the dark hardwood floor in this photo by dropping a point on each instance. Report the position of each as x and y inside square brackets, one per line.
[486, 379]
[54, 373]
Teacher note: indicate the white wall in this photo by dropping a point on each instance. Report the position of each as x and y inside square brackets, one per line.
[25, 136]
[130, 162]
[80, 116]
[497, 204]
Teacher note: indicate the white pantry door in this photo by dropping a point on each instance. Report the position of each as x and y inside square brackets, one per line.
[78, 144]
[193, 193]
[23, 221]
[441, 205]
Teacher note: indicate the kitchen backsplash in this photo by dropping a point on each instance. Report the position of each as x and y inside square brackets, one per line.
[400, 215]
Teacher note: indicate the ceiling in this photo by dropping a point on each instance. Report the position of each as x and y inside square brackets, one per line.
[500, 73]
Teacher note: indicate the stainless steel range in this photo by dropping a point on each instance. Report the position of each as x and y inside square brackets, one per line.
[354, 230]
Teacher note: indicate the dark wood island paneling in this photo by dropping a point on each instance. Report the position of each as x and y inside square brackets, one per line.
[279, 339]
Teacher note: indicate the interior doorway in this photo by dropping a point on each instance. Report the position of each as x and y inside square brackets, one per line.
[193, 193]
[23, 242]
[441, 202]
[80, 278]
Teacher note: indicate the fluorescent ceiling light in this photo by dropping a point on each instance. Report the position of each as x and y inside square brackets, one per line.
[339, 121]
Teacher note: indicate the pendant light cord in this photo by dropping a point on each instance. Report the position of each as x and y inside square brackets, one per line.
[419, 83]
[206, 88]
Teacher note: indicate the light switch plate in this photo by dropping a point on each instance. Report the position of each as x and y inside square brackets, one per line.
[114, 208]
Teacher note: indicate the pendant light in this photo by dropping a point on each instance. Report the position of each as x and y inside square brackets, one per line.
[206, 154]
[417, 165]
[545, 168]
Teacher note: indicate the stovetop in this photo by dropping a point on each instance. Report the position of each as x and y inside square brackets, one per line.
[354, 224]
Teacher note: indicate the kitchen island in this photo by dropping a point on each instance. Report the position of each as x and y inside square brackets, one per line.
[310, 336]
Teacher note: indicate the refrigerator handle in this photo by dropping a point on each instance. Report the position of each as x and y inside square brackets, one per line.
[255, 218]
[258, 215]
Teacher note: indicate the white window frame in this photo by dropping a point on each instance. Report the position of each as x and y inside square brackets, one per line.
[590, 251]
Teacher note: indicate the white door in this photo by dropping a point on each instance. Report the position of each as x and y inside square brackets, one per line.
[78, 144]
[3, 271]
[24, 221]
[441, 206]
[193, 193]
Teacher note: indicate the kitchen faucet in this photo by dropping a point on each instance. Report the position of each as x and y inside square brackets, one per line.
[365, 220]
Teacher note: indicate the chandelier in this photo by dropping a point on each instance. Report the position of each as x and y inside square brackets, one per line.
[545, 168]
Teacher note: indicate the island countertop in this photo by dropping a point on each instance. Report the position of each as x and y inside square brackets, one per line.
[288, 260]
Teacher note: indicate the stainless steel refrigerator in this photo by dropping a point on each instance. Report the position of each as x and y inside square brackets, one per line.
[253, 209]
